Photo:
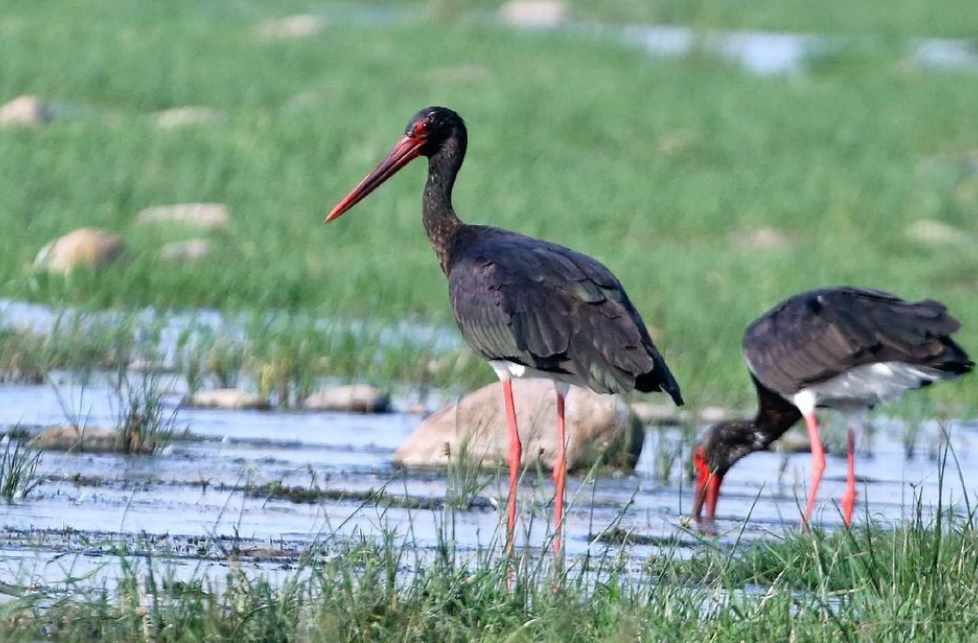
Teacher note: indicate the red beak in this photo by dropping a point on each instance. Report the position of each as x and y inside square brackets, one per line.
[406, 150]
[707, 490]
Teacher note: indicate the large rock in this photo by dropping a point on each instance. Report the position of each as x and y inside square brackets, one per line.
[24, 111]
[534, 13]
[230, 399]
[598, 427]
[350, 399]
[83, 248]
[303, 25]
[207, 216]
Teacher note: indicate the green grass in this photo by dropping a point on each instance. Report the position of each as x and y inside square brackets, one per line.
[875, 583]
[18, 468]
[648, 164]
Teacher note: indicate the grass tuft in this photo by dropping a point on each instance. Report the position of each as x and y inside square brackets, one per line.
[18, 469]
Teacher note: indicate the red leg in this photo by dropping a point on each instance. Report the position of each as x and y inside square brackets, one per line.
[515, 457]
[818, 465]
[560, 476]
[849, 499]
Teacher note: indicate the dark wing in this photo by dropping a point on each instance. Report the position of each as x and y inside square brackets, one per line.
[553, 309]
[814, 336]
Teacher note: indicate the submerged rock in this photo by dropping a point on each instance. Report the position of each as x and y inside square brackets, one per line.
[229, 398]
[68, 438]
[207, 216]
[83, 248]
[357, 398]
[599, 428]
[25, 111]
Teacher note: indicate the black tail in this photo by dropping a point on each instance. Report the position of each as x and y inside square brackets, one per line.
[660, 379]
[953, 359]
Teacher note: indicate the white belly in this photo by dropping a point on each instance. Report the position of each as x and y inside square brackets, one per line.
[510, 371]
[866, 386]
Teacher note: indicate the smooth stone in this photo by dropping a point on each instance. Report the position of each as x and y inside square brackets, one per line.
[600, 428]
[229, 399]
[25, 111]
[83, 248]
[357, 398]
[68, 438]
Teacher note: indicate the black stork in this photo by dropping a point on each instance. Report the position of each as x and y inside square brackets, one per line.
[532, 309]
[847, 349]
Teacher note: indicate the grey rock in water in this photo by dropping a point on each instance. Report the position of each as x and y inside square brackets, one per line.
[600, 428]
[229, 399]
[69, 438]
[358, 398]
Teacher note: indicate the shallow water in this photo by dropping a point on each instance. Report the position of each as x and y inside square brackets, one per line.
[170, 504]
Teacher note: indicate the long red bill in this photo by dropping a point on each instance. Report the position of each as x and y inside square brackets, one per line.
[406, 150]
[707, 492]
[707, 489]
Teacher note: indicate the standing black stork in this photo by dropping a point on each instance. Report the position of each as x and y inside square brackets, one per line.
[843, 348]
[529, 307]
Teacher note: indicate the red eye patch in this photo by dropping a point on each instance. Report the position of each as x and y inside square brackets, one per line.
[421, 129]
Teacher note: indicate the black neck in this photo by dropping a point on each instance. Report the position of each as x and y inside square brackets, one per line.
[727, 442]
[440, 221]
[775, 415]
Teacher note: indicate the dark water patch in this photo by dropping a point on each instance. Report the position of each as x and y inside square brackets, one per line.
[315, 495]
[619, 536]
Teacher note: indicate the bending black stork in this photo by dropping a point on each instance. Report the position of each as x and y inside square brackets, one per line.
[530, 308]
[843, 348]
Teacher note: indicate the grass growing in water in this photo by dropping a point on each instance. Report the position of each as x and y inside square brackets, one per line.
[144, 423]
[876, 583]
[18, 469]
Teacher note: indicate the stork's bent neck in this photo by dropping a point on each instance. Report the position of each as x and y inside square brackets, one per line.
[440, 221]
[775, 415]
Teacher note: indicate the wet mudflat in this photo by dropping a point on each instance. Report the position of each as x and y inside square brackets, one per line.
[261, 490]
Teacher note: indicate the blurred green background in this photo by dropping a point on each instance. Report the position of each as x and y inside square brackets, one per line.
[711, 191]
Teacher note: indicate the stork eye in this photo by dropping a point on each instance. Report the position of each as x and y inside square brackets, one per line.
[422, 129]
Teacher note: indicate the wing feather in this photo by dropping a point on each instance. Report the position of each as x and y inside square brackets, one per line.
[553, 309]
[817, 335]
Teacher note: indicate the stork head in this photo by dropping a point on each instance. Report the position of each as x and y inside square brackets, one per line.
[718, 449]
[427, 134]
